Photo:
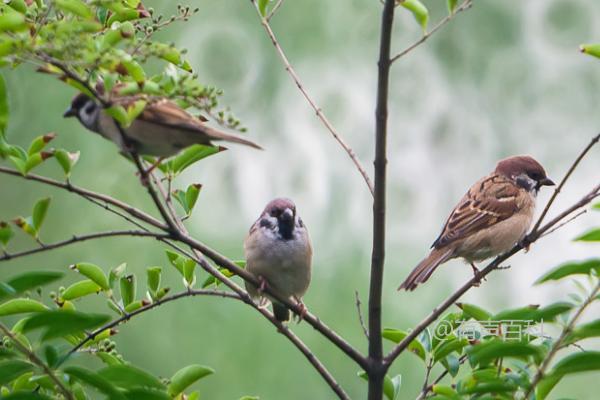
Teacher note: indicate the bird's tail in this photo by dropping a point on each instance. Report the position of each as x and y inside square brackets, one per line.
[229, 137]
[423, 271]
[281, 312]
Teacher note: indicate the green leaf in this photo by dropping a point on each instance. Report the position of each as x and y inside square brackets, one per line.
[66, 160]
[57, 323]
[10, 20]
[186, 377]
[445, 327]
[39, 212]
[6, 233]
[21, 306]
[76, 7]
[588, 330]
[147, 394]
[545, 386]
[4, 110]
[93, 272]
[81, 289]
[590, 236]
[26, 395]
[128, 289]
[95, 380]
[40, 142]
[397, 336]
[191, 196]
[108, 358]
[571, 268]
[191, 155]
[591, 49]
[391, 386]
[533, 313]
[577, 362]
[451, 5]
[419, 11]
[12, 369]
[448, 346]
[211, 280]
[596, 206]
[119, 113]
[475, 312]
[262, 7]
[130, 377]
[30, 280]
[153, 274]
[452, 364]
[116, 273]
[136, 71]
[35, 160]
[486, 352]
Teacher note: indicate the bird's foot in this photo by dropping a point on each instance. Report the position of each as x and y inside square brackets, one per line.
[303, 310]
[525, 243]
[263, 303]
[262, 285]
[477, 275]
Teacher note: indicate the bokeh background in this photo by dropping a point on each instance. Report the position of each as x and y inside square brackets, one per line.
[503, 78]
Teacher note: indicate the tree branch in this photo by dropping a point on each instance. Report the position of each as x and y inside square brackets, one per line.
[89, 194]
[35, 359]
[558, 343]
[290, 70]
[593, 142]
[465, 5]
[81, 238]
[377, 369]
[531, 238]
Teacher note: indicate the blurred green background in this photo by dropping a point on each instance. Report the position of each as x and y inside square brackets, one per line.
[504, 78]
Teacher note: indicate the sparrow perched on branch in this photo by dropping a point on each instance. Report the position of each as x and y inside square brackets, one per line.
[162, 129]
[279, 253]
[490, 219]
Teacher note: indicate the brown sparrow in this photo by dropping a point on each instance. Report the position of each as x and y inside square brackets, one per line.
[162, 129]
[278, 252]
[490, 219]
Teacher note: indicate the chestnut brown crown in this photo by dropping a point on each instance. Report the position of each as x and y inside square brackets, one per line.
[516, 166]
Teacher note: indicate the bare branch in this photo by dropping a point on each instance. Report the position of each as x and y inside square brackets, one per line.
[313, 104]
[88, 194]
[593, 142]
[35, 359]
[465, 5]
[437, 380]
[557, 227]
[360, 316]
[377, 369]
[80, 238]
[274, 10]
[558, 343]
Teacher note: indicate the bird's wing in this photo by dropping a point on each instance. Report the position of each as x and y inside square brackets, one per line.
[489, 201]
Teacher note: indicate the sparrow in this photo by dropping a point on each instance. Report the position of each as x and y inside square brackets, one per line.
[279, 254]
[489, 220]
[162, 129]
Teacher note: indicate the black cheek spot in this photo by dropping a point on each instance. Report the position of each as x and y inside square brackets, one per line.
[300, 223]
[265, 223]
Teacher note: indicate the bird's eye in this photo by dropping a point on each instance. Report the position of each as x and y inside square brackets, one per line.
[536, 176]
[89, 108]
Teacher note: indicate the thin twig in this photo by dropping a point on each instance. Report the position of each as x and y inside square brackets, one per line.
[465, 5]
[313, 104]
[360, 316]
[437, 380]
[88, 193]
[35, 359]
[531, 238]
[557, 227]
[274, 10]
[377, 369]
[81, 238]
[593, 142]
[558, 343]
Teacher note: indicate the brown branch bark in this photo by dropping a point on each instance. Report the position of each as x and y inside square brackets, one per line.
[81, 238]
[377, 367]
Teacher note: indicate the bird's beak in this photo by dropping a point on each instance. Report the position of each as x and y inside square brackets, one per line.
[546, 182]
[287, 215]
[69, 113]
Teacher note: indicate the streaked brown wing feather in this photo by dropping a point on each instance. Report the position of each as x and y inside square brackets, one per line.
[489, 201]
